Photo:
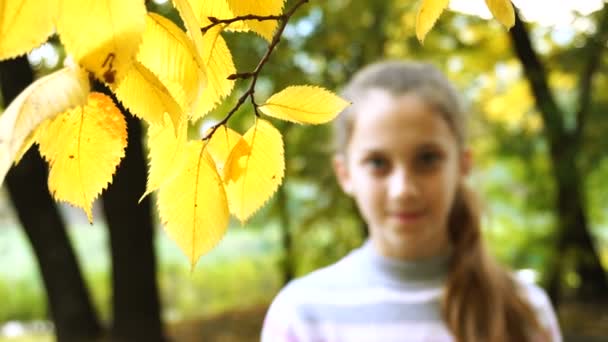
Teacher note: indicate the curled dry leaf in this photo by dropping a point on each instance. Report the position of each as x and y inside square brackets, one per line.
[43, 99]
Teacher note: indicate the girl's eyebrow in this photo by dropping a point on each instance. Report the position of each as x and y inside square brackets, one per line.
[430, 145]
[372, 150]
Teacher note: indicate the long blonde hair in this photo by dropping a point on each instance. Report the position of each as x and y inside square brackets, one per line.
[481, 301]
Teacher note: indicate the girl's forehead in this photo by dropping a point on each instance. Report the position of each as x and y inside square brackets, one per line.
[404, 120]
[380, 108]
[374, 98]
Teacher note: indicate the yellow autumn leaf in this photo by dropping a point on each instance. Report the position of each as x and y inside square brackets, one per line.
[216, 58]
[146, 97]
[218, 66]
[503, 11]
[193, 26]
[193, 206]
[45, 98]
[428, 13]
[169, 54]
[166, 153]
[221, 144]
[24, 25]
[264, 28]
[102, 35]
[254, 170]
[304, 104]
[84, 147]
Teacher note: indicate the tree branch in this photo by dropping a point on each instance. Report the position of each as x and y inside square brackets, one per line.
[283, 19]
[537, 77]
[595, 47]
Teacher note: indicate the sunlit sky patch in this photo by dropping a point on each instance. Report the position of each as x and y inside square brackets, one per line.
[544, 12]
[45, 54]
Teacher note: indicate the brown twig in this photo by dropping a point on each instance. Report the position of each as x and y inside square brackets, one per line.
[283, 19]
[215, 21]
[243, 75]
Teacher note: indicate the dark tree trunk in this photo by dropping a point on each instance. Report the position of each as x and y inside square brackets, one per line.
[68, 300]
[136, 304]
[573, 237]
[288, 262]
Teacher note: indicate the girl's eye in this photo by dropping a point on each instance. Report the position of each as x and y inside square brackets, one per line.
[377, 163]
[428, 158]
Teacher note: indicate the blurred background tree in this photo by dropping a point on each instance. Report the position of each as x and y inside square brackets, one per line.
[537, 97]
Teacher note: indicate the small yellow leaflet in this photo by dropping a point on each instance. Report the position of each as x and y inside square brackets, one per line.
[24, 25]
[218, 65]
[193, 206]
[83, 147]
[264, 28]
[304, 104]
[428, 13]
[503, 11]
[146, 97]
[190, 20]
[194, 32]
[43, 99]
[254, 170]
[102, 35]
[169, 54]
[221, 144]
[166, 153]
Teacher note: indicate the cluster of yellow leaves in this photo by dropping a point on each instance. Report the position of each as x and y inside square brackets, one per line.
[201, 183]
[166, 76]
[430, 10]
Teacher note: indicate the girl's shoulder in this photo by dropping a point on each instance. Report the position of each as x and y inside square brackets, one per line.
[338, 279]
[537, 297]
[288, 312]
[540, 302]
[333, 276]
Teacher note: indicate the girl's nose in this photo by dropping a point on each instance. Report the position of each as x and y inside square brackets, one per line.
[402, 184]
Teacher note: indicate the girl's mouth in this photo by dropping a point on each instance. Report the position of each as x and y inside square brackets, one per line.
[408, 217]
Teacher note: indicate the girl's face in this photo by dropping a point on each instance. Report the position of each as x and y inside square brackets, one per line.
[402, 166]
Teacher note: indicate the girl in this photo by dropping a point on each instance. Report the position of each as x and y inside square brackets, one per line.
[424, 273]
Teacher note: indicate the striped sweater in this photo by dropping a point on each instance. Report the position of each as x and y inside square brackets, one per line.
[368, 298]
